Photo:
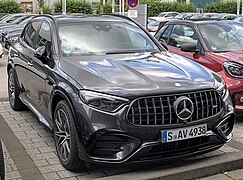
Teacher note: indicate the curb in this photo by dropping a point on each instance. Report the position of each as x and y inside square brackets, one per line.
[187, 170]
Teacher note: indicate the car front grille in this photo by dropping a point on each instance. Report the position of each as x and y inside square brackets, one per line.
[159, 110]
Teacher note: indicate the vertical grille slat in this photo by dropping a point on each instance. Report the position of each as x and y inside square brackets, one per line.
[195, 97]
[211, 101]
[159, 110]
[162, 111]
[168, 101]
[216, 102]
[206, 97]
[140, 113]
[155, 113]
[133, 116]
[202, 105]
[147, 111]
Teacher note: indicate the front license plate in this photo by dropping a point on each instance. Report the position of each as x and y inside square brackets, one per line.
[183, 133]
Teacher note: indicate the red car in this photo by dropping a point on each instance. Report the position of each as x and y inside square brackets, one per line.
[217, 45]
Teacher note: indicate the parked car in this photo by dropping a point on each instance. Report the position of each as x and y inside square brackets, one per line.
[9, 34]
[183, 15]
[239, 19]
[10, 38]
[2, 15]
[168, 14]
[10, 18]
[224, 16]
[2, 170]
[215, 44]
[153, 26]
[1, 51]
[111, 94]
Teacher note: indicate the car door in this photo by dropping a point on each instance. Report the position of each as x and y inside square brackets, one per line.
[21, 55]
[36, 75]
[175, 36]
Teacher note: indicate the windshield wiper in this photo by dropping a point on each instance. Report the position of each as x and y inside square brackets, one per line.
[124, 52]
[129, 51]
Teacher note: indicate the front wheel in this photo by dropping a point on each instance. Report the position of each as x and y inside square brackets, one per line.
[65, 137]
[14, 91]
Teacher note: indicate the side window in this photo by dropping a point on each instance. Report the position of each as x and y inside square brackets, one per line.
[165, 36]
[183, 34]
[44, 38]
[30, 33]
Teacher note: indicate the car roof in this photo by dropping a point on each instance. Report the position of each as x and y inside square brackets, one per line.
[200, 21]
[65, 19]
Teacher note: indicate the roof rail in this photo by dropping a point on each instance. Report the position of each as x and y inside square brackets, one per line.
[45, 15]
[118, 15]
[205, 19]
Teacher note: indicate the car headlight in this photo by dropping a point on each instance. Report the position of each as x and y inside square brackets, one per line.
[220, 85]
[13, 38]
[103, 102]
[234, 69]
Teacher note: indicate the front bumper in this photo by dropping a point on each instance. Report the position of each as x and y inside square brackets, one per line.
[111, 139]
[234, 86]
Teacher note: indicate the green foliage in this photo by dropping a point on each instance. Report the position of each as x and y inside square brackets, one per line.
[9, 6]
[47, 9]
[222, 7]
[107, 8]
[74, 6]
[155, 7]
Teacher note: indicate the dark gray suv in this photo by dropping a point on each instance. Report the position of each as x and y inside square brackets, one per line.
[111, 94]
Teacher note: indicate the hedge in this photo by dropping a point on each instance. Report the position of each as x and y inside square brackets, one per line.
[222, 7]
[74, 6]
[9, 6]
[47, 9]
[155, 7]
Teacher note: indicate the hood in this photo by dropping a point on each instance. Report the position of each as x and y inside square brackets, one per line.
[137, 74]
[233, 56]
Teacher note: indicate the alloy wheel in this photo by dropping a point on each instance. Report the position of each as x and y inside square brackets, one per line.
[11, 88]
[62, 135]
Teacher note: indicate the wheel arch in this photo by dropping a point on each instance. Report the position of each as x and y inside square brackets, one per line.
[9, 66]
[57, 96]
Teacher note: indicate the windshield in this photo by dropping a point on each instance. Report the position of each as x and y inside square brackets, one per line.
[221, 37]
[163, 14]
[104, 37]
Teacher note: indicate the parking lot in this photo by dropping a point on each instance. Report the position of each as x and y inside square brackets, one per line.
[30, 154]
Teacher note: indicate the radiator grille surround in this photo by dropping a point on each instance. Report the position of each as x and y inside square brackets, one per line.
[159, 110]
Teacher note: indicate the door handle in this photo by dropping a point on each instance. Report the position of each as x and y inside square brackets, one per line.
[30, 64]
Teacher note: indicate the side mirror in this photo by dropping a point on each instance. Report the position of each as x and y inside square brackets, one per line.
[39, 52]
[189, 48]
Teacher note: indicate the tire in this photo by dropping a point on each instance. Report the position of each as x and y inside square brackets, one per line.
[2, 172]
[14, 91]
[65, 137]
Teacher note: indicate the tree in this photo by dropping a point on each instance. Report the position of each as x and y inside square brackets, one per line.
[9, 6]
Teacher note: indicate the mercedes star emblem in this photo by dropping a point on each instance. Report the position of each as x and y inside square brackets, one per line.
[184, 108]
